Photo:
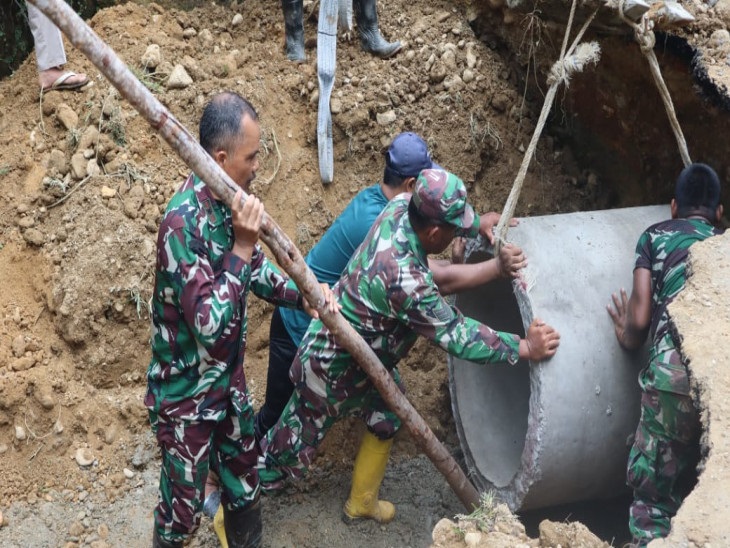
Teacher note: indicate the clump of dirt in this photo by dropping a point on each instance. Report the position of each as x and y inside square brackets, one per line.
[85, 181]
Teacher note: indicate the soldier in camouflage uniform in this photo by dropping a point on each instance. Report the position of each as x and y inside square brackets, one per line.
[666, 443]
[199, 406]
[388, 295]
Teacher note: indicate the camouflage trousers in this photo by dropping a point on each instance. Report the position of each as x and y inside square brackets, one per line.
[189, 449]
[319, 400]
[662, 462]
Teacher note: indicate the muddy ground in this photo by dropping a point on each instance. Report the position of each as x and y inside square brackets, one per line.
[84, 182]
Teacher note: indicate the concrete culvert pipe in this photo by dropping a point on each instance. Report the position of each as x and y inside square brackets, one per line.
[558, 431]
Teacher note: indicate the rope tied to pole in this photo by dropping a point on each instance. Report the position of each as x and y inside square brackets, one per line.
[563, 69]
[644, 35]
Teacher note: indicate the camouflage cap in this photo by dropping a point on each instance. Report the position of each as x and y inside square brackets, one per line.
[441, 196]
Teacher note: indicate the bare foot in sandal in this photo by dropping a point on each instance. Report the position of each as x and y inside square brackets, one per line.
[57, 78]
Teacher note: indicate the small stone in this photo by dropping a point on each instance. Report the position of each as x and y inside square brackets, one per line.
[44, 396]
[193, 69]
[20, 434]
[335, 106]
[206, 36]
[92, 168]
[129, 474]
[471, 57]
[133, 201]
[190, 32]
[386, 118]
[152, 57]
[57, 162]
[76, 529]
[67, 116]
[449, 60]
[18, 346]
[84, 457]
[3, 448]
[500, 102]
[454, 83]
[78, 165]
[237, 20]
[179, 78]
[147, 247]
[107, 192]
[472, 538]
[89, 138]
[719, 38]
[26, 222]
[34, 237]
[467, 76]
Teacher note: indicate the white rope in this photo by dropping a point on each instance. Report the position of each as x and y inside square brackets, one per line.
[645, 37]
[561, 71]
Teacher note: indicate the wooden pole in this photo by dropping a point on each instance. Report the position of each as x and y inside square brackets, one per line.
[286, 253]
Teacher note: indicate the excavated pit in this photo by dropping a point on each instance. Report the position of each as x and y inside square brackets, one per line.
[613, 134]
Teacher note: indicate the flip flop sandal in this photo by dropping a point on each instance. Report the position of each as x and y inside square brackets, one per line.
[61, 82]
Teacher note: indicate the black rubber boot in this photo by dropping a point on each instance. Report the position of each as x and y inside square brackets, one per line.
[158, 542]
[294, 28]
[366, 15]
[244, 528]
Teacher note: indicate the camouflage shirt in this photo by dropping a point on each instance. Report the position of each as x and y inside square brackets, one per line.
[199, 308]
[388, 294]
[663, 249]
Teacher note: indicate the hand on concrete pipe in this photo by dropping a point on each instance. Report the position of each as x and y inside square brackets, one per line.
[541, 342]
[510, 261]
[488, 221]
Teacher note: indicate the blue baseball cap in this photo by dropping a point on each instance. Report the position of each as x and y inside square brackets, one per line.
[407, 156]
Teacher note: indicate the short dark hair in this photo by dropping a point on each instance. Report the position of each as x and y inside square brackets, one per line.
[220, 124]
[697, 191]
[418, 220]
[390, 177]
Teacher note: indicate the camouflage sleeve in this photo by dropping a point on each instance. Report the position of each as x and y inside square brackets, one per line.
[268, 283]
[211, 302]
[431, 316]
[643, 251]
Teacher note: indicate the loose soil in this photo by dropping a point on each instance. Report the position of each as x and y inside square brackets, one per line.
[85, 181]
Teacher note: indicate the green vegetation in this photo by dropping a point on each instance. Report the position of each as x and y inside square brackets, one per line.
[151, 80]
[484, 516]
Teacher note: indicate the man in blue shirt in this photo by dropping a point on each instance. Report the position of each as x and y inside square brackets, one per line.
[406, 157]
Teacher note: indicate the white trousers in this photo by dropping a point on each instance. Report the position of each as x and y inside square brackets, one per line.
[49, 51]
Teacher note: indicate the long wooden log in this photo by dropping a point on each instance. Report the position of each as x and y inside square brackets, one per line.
[286, 253]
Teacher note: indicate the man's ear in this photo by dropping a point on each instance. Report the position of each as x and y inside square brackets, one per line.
[673, 207]
[220, 157]
[432, 233]
[410, 183]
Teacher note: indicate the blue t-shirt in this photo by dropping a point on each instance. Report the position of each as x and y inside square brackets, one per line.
[329, 257]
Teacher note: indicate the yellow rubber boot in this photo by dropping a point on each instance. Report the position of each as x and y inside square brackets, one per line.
[219, 528]
[372, 457]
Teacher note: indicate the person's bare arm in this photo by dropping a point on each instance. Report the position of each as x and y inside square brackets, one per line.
[454, 278]
[632, 315]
